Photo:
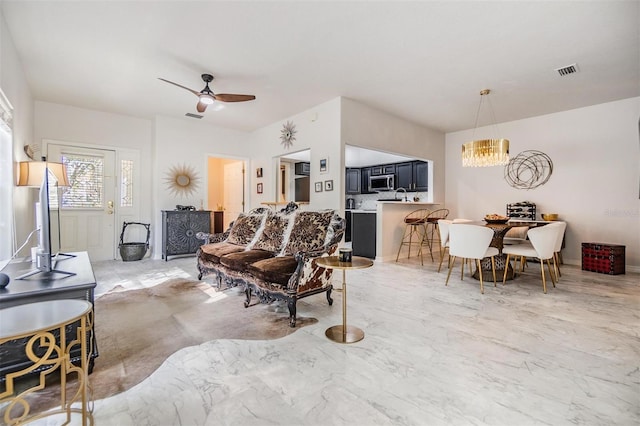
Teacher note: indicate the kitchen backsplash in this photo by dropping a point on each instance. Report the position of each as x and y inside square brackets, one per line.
[368, 201]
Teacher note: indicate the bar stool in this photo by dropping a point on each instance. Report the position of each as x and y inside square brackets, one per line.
[431, 228]
[414, 226]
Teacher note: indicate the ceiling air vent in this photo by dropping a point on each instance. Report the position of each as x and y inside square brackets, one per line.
[569, 69]
[198, 116]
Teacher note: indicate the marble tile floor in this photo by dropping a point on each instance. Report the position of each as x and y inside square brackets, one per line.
[432, 355]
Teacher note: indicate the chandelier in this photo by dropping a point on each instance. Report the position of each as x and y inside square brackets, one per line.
[485, 152]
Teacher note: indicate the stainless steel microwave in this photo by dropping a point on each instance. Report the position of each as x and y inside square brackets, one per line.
[381, 183]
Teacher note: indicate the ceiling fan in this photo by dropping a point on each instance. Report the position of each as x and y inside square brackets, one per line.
[207, 97]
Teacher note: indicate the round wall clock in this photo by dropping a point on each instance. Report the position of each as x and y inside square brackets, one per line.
[288, 134]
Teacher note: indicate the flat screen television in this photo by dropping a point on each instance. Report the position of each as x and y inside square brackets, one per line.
[45, 261]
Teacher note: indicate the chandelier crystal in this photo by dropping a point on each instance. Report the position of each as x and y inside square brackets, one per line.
[485, 152]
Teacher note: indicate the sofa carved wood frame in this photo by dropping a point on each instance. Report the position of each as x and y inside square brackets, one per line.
[307, 279]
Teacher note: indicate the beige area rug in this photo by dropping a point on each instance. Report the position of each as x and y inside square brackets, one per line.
[137, 330]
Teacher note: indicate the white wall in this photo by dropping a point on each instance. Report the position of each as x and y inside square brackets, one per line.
[187, 142]
[367, 127]
[15, 87]
[318, 129]
[595, 180]
[85, 127]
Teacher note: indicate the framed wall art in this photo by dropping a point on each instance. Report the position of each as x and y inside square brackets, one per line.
[259, 188]
[328, 185]
[324, 165]
[259, 172]
[318, 186]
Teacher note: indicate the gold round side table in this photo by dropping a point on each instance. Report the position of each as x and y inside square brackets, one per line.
[344, 333]
[49, 329]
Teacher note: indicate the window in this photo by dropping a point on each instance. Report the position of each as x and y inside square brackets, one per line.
[7, 235]
[126, 185]
[85, 174]
[6, 191]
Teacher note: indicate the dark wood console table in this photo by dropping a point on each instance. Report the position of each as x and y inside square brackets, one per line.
[44, 287]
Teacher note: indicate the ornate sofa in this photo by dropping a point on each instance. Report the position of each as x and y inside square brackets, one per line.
[272, 255]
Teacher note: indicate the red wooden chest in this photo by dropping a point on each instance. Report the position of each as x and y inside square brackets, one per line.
[603, 258]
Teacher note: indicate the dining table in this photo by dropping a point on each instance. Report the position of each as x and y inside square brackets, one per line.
[499, 232]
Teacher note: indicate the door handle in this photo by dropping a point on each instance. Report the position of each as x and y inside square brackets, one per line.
[109, 207]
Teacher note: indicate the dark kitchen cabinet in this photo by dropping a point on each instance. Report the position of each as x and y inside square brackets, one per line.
[376, 170]
[363, 234]
[404, 176]
[386, 169]
[413, 176]
[352, 181]
[365, 174]
[420, 176]
[347, 231]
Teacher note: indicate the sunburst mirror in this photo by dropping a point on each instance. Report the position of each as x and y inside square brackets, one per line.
[182, 180]
[288, 134]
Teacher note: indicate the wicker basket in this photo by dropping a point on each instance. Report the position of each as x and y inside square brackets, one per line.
[133, 251]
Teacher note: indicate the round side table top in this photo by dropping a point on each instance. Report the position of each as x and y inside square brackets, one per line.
[40, 316]
[332, 262]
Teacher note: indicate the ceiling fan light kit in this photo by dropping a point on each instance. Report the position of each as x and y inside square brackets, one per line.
[206, 97]
[485, 152]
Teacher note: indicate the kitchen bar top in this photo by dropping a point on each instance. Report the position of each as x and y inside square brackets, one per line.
[394, 203]
[415, 203]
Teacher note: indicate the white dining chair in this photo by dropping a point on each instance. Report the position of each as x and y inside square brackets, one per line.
[443, 226]
[562, 226]
[471, 242]
[543, 242]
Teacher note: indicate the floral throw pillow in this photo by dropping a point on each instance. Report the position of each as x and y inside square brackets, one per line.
[244, 229]
[273, 233]
[308, 232]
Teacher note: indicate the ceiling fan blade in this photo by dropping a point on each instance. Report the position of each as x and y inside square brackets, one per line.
[201, 107]
[176, 84]
[226, 97]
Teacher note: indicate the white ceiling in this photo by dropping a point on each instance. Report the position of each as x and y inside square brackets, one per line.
[354, 157]
[423, 61]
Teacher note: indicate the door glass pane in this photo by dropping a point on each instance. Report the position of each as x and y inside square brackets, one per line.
[126, 186]
[85, 175]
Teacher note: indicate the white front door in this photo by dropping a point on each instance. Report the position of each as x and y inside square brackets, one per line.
[87, 212]
[233, 191]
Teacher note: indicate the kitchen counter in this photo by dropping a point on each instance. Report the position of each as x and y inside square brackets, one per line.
[390, 225]
[409, 203]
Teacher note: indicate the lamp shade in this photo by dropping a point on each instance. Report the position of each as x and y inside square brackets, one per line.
[31, 173]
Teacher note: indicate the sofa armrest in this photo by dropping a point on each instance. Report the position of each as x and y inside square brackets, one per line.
[308, 275]
[212, 238]
[338, 226]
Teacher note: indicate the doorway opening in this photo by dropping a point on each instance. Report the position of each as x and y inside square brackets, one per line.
[293, 180]
[225, 190]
